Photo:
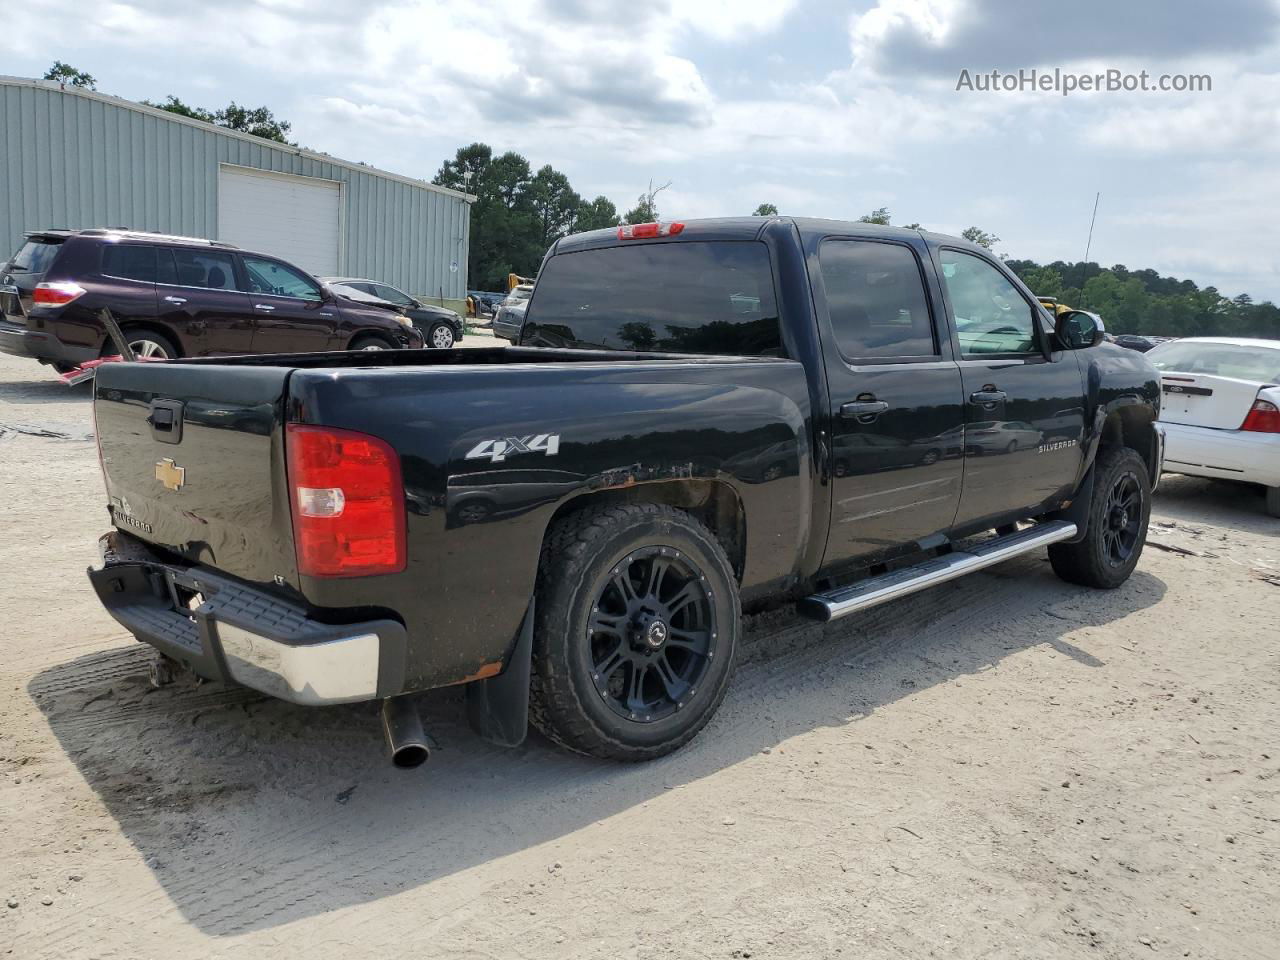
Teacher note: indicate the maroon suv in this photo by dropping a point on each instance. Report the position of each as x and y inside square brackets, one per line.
[175, 297]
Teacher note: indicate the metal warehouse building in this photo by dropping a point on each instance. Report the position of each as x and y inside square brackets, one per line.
[77, 158]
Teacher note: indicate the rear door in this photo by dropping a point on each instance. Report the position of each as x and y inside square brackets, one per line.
[291, 315]
[198, 295]
[896, 402]
[1024, 402]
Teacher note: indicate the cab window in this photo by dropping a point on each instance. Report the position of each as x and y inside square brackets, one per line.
[991, 316]
[275, 279]
[704, 297]
[876, 300]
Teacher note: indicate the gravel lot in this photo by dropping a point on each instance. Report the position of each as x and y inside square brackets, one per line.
[1006, 766]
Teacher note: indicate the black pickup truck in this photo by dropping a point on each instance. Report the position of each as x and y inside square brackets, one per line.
[699, 417]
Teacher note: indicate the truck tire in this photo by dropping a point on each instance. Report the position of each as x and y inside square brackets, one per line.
[1117, 528]
[636, 630]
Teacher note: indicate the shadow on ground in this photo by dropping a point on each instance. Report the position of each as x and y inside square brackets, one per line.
[253, 813]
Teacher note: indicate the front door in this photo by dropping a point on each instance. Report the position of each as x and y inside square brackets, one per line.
[196, 292]
[292, 315]
[1024, 408]
[897, 415]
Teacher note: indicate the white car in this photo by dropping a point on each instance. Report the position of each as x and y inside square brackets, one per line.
[1221, 409]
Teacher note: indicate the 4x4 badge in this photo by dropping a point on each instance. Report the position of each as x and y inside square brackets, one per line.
[170, 474]
[498, 450]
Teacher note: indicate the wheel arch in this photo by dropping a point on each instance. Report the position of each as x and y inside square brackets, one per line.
[1133, 425]
[147, 326]
[714, 503]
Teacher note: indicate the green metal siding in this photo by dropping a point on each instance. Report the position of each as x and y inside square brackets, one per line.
[77, 159]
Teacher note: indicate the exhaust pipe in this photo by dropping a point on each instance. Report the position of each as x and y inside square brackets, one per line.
[403, 728]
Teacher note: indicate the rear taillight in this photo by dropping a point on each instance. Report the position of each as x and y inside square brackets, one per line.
[347, 502]
[56, 294]
[1264, 417]
[641, 231]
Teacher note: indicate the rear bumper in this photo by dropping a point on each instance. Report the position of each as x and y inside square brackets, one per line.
[1222, 454]
[22, 341]
[224, 630]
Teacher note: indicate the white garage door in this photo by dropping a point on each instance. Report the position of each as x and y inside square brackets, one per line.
[294, 218]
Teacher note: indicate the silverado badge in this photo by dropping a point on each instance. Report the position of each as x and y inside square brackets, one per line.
[170, 474]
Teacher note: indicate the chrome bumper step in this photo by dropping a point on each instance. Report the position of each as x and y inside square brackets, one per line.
[843, 601]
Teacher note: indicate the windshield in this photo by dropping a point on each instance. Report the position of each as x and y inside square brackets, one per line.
[35, 256]
[519, 294]
[1219, 359]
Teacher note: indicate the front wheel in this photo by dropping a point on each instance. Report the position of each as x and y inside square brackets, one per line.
[1117, 530]
[369, 343]
[636, 631]
[441, 336]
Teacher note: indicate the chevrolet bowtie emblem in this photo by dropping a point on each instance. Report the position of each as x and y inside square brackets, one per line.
[170, 474]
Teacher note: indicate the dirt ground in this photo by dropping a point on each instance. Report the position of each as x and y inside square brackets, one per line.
[1006, 766]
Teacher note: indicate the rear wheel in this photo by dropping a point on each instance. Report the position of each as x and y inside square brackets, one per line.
[146, 344]
[1273, 501]
[441, 336]
[1117, 530]
[636, 631]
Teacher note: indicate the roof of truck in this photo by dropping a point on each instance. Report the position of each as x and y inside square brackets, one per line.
[750, 228]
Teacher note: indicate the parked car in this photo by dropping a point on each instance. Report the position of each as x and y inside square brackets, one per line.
[440, 326]
[326, 552]
[1134, 341]
[174, 297]
[1221, 409]
[510, 316]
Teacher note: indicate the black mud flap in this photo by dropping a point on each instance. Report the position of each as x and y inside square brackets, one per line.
[498, 708]
[1078, 512]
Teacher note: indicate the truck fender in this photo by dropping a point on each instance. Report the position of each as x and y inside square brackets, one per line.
[498, 707]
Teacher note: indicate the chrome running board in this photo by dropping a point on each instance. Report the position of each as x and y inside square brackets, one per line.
[842, 601]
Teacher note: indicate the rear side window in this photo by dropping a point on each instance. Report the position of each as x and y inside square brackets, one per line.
[35, 256]
[198, 268]
[876, 300]
[129, 261]
[687, 297]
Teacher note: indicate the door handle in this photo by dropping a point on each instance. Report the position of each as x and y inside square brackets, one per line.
[863, 408]
[263, 306]
[177, 300]
[988, 398]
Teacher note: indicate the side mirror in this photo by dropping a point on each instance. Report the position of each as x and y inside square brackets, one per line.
[1076, 329]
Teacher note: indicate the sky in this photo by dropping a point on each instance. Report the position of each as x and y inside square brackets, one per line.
[828, 108]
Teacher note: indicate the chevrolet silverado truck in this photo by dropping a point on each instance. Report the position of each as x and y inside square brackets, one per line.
[698, 418]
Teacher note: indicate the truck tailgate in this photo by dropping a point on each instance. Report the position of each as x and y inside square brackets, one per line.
[194, 462]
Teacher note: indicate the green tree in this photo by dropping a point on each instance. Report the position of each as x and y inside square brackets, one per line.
[765, 210]
[257, 121]
[646, 208]
[980, 237]
[595, 214]
[66, 73]
[554, 205]
[880, 216]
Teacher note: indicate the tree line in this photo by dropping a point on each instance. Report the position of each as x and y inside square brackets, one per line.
[1131, 301]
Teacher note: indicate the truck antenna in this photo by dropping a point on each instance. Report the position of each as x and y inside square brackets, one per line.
[1096, 198]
